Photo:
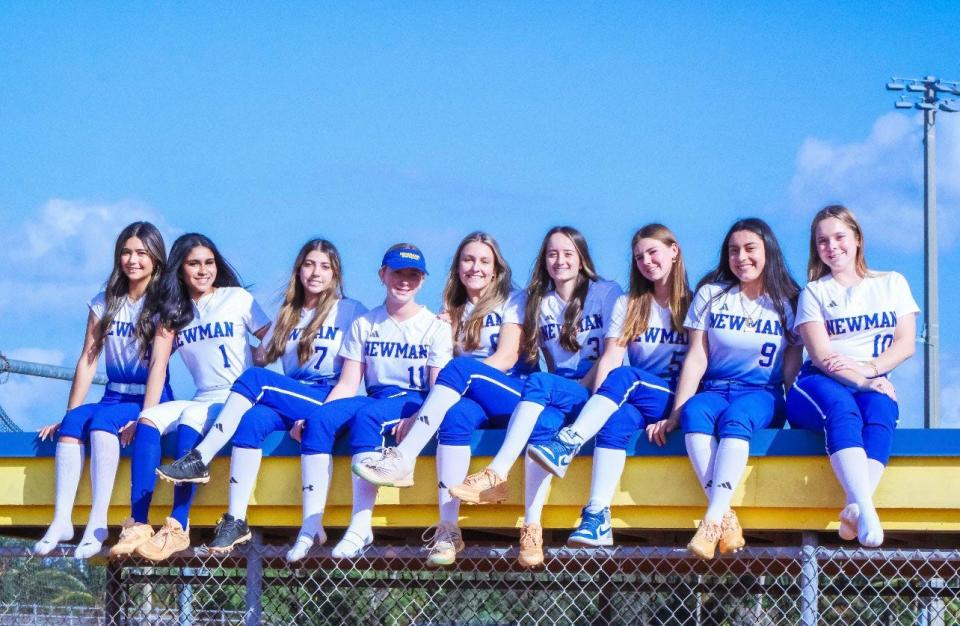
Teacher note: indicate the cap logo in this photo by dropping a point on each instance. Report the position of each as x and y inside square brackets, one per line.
[410, 255]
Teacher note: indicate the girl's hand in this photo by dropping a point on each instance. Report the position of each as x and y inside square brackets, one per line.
[296, 433]
[127, 433]
[657, 432]
[47, 433]
[403, 427]
[443, 316]
[881, 385]
[837, 362]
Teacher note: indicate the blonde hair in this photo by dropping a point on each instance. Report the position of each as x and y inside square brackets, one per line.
[641, 290]
[295, 296]
[467, 333]
[541, 284]
[816, 268]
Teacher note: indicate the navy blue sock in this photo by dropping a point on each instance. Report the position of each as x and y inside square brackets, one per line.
[187, 439]
[146, 459]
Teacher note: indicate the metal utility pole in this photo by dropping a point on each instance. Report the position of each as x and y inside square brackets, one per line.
[929, 101]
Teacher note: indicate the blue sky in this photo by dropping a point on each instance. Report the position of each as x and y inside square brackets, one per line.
[262, 125]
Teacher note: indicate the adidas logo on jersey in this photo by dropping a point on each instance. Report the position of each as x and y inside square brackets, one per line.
[831, 305]
[724, 307]
[374, 333]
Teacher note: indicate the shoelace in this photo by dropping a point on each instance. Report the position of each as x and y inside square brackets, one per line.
[528, 538]
[438, 534]
[711, 532]
[485, 479]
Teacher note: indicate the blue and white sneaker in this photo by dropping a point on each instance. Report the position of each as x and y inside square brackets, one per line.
[594, 530]
[555, 455]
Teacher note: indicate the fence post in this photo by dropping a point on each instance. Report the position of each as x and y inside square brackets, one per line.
[254, 606]
[809, 579]
[113, 604]
[185, 598]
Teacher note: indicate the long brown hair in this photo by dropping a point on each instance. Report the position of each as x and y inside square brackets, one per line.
[816, 268]
[642, 290]
[294, 298]
[118, 285]
[541, 284]
[467, 333]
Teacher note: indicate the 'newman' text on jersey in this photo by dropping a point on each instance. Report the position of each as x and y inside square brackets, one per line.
[738, 322]
[396, 350]
[589, 322]
[841, 325]
[204, 331]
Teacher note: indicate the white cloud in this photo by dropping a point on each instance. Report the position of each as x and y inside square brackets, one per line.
[881, 179]
[64, 252]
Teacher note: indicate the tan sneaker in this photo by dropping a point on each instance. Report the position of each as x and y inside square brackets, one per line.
[531, 545]
[731, 534]
[443, 541]
[133, 534]
[484, 487]
[169, 540]
[704, 542]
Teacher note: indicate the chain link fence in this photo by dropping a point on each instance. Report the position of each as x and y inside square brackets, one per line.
[663, 586]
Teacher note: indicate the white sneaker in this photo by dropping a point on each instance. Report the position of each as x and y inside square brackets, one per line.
[301, 547]
[443, 542]
[351, 546]
[388, 469]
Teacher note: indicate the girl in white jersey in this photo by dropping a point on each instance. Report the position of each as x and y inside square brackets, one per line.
[115, 326]
[647, 328]
[477, 389]
[743, 352]
[397, 350]
[306, 337]
[567, 315]
[202, 310]
[857, 325]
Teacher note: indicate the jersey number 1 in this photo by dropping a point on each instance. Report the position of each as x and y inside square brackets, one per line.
[223, 351]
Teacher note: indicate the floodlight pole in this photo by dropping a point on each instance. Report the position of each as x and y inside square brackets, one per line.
[931, 298]
[931, 87]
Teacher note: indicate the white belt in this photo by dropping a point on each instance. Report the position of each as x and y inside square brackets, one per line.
[127, 389]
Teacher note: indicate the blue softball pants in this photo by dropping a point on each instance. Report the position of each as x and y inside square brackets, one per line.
[850, 418]
[368, 418]
[643, 400]
[562, 400]
[278, 402]
[488, 397]
[729, 408]
[110, 414]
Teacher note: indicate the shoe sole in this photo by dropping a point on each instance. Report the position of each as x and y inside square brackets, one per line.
[402, 483]
[125, 553]
[224, 550]
[529, 562]
[179, 481]
[692, 549]
[472, 497]
[546, 464]
[583, 542]
[160, 559]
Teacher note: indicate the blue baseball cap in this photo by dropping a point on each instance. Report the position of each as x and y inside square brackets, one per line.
[405, 258]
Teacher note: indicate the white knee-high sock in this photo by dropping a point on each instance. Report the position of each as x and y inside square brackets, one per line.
[223, 428]
[594, 415]
[521, 424]
[852, 470]
[453, 462]
[729, 464]
[104, 458]
[316, 470]
[607, 469]
[536, 488]
[702, 449]
[364, 497]
[431, 413]
[875, 470]
[244, 467]
[69, 466]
